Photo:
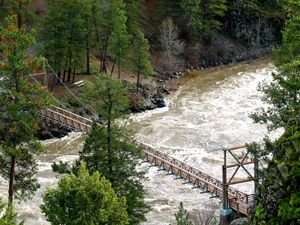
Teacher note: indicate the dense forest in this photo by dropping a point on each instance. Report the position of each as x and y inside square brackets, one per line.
[147, 38]
[180, 33]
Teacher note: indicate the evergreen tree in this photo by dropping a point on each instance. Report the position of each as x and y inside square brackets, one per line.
[20, 105]
[63, 35]
[193, 16]
[103, 25]
[84, 199]
[214, 10]
[8, 216]
[119, 41]
[110, 148]
[140, 57]
[182, 216]
[132, 13]
[282, 94]
[278, 199]
[14, 7]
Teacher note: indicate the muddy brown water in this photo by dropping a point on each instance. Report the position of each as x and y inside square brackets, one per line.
[209, 111]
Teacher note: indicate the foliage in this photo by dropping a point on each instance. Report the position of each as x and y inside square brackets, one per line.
[282, 94]
[84, 199]
[11, 7]
[182, 216]
[64, 33]
[8, 216]
[20, 103]
[110, 148]
[290, 49]
[279, 196]
[278, 199]
[193, 15]
[140, 56]
[282, 97]
[119, 41]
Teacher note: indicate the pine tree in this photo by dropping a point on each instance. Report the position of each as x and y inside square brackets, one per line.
[64, 32]
[8, 216]
[140, 57]
[14, 7]
[182, 216]
[278, 199]
[110, 148]
[119, 41]
[84, 199]
[193, 16]
[213, 12]
[20, 105]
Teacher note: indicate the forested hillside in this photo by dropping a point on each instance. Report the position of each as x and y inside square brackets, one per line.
[185, 33]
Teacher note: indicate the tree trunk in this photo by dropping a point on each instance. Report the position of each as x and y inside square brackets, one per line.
[138, 82]
[19, 15]
[11, 179]
[64, 76]
[69, 69]
[109, 150]
[119, 69]
[88, 55]
[103, 57]
[113, 68]
[73, 79]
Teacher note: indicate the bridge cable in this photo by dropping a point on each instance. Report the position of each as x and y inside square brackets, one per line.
[85, 106]
[59, 102]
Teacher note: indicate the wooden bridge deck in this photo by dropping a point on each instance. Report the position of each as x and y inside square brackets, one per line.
[239, 201]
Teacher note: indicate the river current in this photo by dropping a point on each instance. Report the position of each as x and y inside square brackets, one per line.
[209, 111]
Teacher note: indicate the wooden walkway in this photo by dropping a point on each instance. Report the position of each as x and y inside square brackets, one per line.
[68, 118]
[239, 201]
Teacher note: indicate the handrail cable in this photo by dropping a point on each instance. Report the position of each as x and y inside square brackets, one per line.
[85, 106]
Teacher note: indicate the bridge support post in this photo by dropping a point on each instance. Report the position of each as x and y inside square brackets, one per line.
[225, 211]
[225, 216]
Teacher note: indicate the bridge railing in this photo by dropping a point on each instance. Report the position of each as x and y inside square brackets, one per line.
[204, 180]
[67, 118]
[71, 115]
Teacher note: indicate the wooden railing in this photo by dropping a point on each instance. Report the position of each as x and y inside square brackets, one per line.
[68, 118]
[238, 200]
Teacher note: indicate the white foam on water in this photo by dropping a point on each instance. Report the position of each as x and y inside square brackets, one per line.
[208, 112]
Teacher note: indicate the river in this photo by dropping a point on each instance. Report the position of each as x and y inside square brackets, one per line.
[209, 111]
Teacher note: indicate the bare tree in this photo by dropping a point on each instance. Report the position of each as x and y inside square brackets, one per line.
[206, 216]
[171, 45]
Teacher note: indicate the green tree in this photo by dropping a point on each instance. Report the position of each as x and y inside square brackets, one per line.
[110, 148]
[64, 34]
[119, 41]
[8, 216]
[182, 216]
[103, 25]
[214, 10]
[193, 16]
[133, 18]
[20, 103]
[12, 7]
[278, 199]
[84, 199]
[140, 57]
[290, 49]
[282, 94]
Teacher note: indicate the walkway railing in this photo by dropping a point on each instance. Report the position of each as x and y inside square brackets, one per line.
[68, 118]
[238, 200]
